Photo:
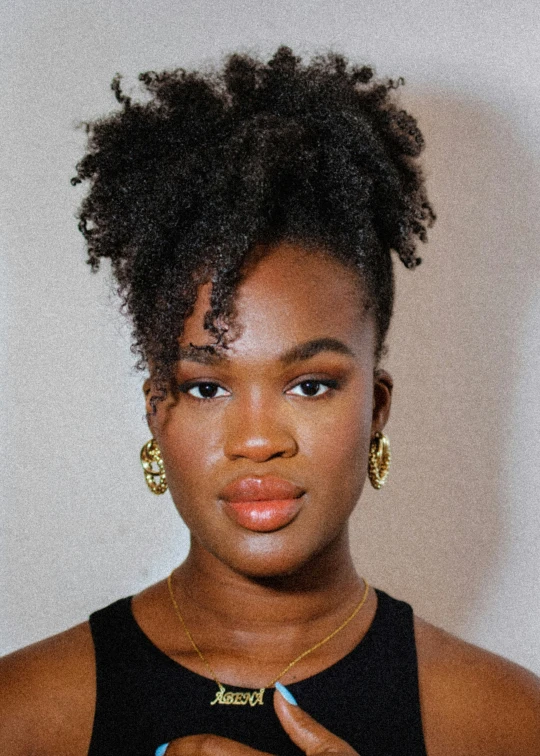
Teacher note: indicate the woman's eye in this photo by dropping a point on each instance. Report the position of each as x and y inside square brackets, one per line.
[205, 390]
[312, 388]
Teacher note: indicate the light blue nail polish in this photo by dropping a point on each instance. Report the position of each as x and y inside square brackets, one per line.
[161, 749]
[287, 695]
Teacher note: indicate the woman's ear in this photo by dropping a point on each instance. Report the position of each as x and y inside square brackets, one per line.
[382, 399]
[147, 391]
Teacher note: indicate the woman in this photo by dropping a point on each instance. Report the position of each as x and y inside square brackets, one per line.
[249, 216]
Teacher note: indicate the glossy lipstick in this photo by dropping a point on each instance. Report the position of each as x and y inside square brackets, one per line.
[262, 504]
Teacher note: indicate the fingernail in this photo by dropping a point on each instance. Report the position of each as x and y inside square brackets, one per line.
[161, 749]
[287, 695]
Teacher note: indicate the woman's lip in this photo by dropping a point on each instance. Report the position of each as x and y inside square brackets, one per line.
[260, 488]
[263, 516]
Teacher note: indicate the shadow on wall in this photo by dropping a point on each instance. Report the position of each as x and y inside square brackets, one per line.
[437, 535]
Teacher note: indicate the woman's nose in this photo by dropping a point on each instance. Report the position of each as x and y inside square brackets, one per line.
[255, 431]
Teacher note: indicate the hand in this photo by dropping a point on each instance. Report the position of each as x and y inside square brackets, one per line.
[306, 733]
[303, 730]
[209, 745]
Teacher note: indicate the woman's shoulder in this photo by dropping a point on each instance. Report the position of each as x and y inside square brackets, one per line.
[472, 700]
[47, 696]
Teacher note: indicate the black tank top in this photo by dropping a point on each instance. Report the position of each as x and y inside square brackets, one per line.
[369, 697]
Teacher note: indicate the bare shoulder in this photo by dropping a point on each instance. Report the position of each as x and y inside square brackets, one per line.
[47, 696]
[473, 701]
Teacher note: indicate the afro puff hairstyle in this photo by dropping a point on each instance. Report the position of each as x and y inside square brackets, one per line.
[185, 185]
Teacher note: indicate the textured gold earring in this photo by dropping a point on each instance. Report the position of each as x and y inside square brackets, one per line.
[154, 471]
[379, 460]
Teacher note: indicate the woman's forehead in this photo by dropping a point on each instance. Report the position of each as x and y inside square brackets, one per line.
[290, 296]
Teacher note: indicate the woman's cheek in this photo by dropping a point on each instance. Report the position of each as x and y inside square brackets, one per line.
[191, 445]
[338, 445]
[342, 426]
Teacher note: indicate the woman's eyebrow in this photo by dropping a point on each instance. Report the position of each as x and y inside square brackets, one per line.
[315, 346]
[203, 355]
[298, 353]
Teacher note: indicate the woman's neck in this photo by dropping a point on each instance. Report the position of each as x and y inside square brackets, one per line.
[321, 588]
[249, 629]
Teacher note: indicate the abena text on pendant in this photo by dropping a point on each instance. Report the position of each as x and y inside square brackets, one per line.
[239, 699]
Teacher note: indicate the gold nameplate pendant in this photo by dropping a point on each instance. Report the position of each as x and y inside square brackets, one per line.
[227, 697]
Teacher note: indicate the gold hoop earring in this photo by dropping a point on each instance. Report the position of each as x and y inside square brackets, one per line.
[379, 460]
[154, 470]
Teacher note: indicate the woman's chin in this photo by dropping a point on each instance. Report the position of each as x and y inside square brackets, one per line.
[266, 558]
[269, 567]
[302, 546]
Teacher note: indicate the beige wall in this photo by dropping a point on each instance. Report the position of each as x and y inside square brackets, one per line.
[457, 529]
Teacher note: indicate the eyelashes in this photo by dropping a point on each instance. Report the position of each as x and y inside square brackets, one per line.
[207, 390]
[309, 388]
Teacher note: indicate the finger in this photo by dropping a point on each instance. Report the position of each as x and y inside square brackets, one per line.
[304, 731]
[206, 745]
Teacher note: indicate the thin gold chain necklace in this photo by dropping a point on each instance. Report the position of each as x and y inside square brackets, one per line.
[255, 697]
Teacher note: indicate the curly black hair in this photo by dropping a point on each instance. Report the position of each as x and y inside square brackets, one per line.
[185, 185]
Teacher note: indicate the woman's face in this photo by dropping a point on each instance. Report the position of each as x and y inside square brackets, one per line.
[266, 446]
